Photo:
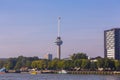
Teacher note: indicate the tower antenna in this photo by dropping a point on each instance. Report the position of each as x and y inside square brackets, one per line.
[59, 18]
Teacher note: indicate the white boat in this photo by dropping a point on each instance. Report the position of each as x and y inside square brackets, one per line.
[2, 70]
[34, 71]
[62, 72]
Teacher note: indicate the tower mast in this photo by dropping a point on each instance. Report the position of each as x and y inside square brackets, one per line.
[59, 26]
[58, 40]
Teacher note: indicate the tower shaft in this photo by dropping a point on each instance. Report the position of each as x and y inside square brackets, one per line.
[59, 41]
[59, 52]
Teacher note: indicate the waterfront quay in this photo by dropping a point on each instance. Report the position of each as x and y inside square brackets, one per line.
[95, 72]
[72, 72]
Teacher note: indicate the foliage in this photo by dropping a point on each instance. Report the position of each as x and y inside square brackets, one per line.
[79, 56]
[85, 64]
[100, 63]
[77, 61]
[2, 63]
[117, 65]
[93, 66]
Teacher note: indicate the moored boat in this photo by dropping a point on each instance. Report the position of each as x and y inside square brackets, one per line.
[2, 70]
[62, 72]
[33, 72]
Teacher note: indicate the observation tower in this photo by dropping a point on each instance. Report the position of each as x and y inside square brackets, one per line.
[59, 41]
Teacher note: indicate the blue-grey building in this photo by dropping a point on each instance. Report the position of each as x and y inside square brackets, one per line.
[112, 43]
[48, 56]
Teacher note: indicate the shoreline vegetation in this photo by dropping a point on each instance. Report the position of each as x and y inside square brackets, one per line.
[78, 63]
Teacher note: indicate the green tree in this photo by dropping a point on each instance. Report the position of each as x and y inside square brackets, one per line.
[40, 64]
[2, 63]
[85, 64]
[77, 62]
[108, 64]
[111, 64]
[28, 64]
[18, 65]
[68, 65]
[11, 62]
[117, 65]
[60, 64]
[79, 56]
[100, 63]
[34, 64]
[93, 66]
[53, 64]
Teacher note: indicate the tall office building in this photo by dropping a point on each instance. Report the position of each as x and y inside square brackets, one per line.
[112, 43]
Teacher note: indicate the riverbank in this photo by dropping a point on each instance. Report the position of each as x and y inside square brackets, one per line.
[72, 72]
[95, 72]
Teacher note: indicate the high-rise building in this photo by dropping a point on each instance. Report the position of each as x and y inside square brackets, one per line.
[48, 56]
[112, 43]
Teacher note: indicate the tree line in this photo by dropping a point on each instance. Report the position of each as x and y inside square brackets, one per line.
[77, 61]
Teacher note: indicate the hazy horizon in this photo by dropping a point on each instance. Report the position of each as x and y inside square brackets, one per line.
[29, 27]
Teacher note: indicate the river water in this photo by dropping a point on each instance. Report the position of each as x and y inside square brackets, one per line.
[18, 76]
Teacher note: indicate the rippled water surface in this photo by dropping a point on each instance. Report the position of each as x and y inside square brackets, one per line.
[10, 76]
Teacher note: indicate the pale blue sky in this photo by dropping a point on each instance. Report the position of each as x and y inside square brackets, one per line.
[29, 27]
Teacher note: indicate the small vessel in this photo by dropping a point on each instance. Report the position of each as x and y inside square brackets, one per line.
[2, 70]
[33, 72]
[62, 72]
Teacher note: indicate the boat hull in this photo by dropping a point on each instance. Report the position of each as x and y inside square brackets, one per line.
[62, 72]
[33, 72]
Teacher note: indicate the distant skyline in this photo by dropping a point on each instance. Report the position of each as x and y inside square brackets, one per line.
[29, 27]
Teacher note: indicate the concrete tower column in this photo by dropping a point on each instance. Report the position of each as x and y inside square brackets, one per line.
[59, 41]
[59, 52]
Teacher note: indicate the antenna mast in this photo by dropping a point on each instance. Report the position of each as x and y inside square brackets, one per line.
[59, 26]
